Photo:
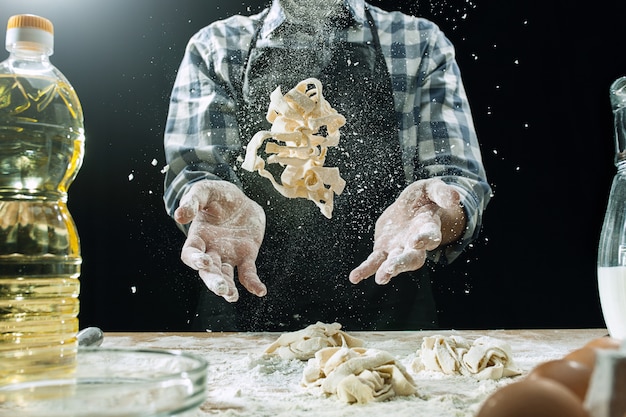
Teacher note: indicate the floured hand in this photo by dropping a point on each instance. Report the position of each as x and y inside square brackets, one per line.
[226, 232]
[426, 215]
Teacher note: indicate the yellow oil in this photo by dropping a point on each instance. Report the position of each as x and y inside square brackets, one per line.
[41, 151]
[38, 326]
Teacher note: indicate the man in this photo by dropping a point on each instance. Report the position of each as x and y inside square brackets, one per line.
[415, 185]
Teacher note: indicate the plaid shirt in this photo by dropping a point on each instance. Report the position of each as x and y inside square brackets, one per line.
[435, 126]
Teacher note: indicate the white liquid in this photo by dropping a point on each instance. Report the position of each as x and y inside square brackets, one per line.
[612, 289]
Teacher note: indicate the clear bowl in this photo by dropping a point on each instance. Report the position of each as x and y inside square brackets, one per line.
[114, 383]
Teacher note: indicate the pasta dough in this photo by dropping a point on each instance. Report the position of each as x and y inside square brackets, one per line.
[303, 344]
[304, 125]
[357, 375]
[485, 358]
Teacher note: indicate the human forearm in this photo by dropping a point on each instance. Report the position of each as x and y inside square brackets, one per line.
[201, 133]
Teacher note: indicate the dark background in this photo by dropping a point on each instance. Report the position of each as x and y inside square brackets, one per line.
[537, 75]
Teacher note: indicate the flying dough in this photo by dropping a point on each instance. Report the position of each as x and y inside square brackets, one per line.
[357, 375]
[296, 142]
[304, 344]
[485, 358]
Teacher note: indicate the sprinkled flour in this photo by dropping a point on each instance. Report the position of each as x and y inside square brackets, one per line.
[244, 382]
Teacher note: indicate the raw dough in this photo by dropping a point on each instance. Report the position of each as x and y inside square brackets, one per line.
[298, 119]
[485, 358]
[303, 344]
[357, 375]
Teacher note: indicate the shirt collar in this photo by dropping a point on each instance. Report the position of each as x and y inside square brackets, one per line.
[276, 15]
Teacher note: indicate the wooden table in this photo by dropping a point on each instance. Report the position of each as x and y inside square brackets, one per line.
[244, 382]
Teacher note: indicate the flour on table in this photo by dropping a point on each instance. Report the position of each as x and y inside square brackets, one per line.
[244, 382]
[485, 358]
[304, 344]
[358, 375]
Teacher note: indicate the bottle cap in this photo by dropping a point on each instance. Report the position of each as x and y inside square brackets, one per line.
[30, 31]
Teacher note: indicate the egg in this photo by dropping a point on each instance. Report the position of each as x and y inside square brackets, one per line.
[571, 374]
[587, 354]
[605, 342]
[584, 355]
[537, 397]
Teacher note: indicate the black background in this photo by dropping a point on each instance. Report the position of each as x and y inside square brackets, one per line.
[537, 75]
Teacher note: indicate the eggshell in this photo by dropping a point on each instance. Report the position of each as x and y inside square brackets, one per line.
[571, 374]
[587, 354]
[605, 342]
[538, 397]
[584, 355]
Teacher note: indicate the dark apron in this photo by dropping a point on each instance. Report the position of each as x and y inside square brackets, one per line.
[305, 258]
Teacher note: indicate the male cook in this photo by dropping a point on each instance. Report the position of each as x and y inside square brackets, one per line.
[415, 184]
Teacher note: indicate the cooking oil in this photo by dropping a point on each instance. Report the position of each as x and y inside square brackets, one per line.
[41, 151]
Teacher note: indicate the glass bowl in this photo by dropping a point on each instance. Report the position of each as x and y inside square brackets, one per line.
[113, 383]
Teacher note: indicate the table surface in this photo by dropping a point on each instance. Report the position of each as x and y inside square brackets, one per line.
[242, 381]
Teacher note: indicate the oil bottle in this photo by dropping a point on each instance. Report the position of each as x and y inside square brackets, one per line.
[41, 150]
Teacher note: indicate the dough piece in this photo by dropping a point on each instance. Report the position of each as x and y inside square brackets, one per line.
[357, 375]
[485, 358]
[299, 145]
[303, 344]
[439, 353]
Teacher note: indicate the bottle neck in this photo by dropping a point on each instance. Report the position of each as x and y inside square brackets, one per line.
[29, 54]
[29, 61]
[620, 137]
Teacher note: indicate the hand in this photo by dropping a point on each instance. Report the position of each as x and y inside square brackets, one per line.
[427, 214]
[226, 232]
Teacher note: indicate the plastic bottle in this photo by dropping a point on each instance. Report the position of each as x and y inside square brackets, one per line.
[41, 150]
[612, 248]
